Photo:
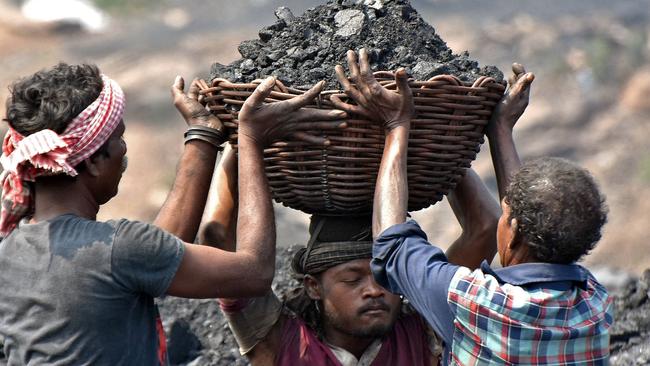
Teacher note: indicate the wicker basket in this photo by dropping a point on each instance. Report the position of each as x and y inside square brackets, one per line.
[339, 179]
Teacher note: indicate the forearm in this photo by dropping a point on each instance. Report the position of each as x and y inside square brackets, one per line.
[181, 213]
[478, 214]
[219, 230]
[391, 192]
[256, 222]
[504, 155]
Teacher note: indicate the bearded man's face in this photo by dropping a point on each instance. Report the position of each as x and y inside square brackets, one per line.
[354, 303]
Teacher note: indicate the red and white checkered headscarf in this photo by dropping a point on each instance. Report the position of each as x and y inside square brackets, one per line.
[48, 153]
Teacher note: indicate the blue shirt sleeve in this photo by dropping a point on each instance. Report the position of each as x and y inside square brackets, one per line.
[404, 262]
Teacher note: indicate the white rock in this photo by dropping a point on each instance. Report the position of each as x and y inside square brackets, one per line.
[349, 21]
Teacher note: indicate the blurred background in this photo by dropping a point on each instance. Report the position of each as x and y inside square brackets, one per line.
[590, 101]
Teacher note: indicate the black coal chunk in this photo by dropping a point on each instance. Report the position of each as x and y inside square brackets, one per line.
[303, 50]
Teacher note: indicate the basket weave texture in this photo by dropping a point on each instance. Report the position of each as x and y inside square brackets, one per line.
[339, 179]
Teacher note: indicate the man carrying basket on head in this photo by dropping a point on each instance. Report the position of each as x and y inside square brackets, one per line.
[541, 308]
[79, 291]
[340, 316]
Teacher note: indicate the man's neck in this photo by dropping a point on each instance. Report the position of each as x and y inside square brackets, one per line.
[353, 344]
[55, 197]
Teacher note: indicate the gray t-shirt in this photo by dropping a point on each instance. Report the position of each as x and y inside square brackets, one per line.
[80, 292]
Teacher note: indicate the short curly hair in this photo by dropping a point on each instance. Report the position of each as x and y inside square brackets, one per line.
[52, 98]
[559, 209]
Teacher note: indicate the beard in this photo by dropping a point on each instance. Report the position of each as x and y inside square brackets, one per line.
[376, 330]
[125, 163]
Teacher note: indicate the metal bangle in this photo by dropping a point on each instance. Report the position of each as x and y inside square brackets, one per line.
[209, 140]
[207, 131]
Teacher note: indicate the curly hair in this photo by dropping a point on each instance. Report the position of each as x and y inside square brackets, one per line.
[51, 99]
[559, 209]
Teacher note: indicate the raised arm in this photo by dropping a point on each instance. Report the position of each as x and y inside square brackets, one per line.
[248, 272]
[394, 111]
[507, 112]
[478, 214]
[220, 228]
[403, 261]
[181, 213]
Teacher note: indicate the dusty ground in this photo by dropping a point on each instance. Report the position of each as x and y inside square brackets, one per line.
[589, 104]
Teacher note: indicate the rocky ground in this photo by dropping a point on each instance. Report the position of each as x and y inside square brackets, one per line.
[630, 342]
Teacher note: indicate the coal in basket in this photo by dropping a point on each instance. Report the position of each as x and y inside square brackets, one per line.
[339, 179]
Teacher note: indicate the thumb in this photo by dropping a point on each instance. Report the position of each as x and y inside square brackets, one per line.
[178, 87]
[262, 91]
[401, 79]
[522, 84]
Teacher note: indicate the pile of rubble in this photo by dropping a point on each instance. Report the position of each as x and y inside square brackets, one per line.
[630, 333]
[301, 51]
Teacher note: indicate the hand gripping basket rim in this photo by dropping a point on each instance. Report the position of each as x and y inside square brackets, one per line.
[339, 179]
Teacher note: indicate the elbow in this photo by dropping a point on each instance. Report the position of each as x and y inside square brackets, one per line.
[212, 233]
[260, 270]
[489, 226]
[485, 232]
[261, 284]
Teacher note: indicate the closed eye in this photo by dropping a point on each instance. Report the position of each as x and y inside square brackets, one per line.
[350, 280]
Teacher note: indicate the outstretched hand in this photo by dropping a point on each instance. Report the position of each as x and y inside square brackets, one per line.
[374, 102]
[268, 122]
[514, 102]
[189, 104]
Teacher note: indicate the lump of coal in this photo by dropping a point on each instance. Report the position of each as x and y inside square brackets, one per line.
[303, 50]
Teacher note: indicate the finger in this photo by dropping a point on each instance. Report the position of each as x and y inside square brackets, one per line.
[521, 88]
[304, 99]
[313, 114]
[303, 136]
[322, 125]
[203, 84]
[530, 77]
[525, 81]
[343, 80]
[178, 87]
[261, 92]
[402, 81]
[367, 83]
[364, 64]
[348, 88]
[518, 69]
[353, 66]
[349, 108]
[194, 89]
[512, 80]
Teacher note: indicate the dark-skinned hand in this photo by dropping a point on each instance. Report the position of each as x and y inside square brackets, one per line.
[515, 100]
[189, 104]
[374, 101]
[268, 122]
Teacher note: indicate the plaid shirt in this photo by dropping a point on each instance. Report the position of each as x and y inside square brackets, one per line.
[527, 314]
